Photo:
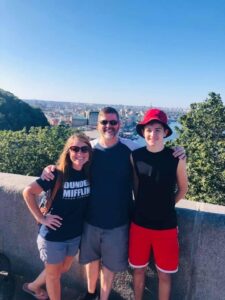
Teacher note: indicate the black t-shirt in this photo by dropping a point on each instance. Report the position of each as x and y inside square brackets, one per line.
[70, 203]
[155, 203]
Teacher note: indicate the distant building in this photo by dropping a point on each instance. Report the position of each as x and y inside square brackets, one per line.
[65, 120]
[92, 117]
[53, 121]
[78, 121]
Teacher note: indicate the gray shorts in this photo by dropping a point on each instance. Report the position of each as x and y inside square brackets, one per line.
[108, 245]
[56, 252]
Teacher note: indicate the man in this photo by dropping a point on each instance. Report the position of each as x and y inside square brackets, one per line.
[105, 237]
[161, 181]
[104, 244]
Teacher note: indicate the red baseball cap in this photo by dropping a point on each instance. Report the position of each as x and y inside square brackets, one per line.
[154, 114]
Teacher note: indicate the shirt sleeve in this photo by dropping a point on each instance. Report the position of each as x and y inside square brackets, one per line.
[47, 185]
[132, 145]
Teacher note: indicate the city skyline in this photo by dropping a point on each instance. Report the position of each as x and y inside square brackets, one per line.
[164, 54]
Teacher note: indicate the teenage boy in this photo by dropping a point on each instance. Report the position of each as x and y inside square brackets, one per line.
[160, 182]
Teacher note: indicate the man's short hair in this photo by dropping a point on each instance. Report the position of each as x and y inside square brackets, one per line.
[108, 110]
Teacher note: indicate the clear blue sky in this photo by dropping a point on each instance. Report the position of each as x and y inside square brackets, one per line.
[162, 53]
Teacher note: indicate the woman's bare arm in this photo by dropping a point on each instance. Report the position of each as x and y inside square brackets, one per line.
[30, 193]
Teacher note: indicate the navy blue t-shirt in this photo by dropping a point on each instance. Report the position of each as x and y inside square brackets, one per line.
[111, 201]
[70, 203]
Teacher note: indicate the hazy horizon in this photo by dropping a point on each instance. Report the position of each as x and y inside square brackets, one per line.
[98, 103]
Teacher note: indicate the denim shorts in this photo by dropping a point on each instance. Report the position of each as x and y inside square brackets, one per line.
[108, 245]
[56, 252]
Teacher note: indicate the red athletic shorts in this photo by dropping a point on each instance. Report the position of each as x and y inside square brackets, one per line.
[164, 244]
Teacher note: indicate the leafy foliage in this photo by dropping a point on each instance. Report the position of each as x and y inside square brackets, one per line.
[203, 136]
[27, 153]
[15, 114]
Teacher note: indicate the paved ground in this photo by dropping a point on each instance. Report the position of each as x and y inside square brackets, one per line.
[67, 294]
[120, 292]
[122, 289]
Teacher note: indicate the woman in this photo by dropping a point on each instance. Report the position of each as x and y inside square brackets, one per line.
[60, 230]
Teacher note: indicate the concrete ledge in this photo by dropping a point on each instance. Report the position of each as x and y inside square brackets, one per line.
[201, 235]
[201, 207]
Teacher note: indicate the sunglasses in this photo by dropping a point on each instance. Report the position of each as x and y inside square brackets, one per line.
[111, 122]
[83, 149]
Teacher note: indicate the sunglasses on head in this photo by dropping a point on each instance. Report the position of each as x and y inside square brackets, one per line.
[83, 149]
[111, 122]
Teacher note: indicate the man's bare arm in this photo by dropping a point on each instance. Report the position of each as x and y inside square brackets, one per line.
[179, 152]
[47, 173]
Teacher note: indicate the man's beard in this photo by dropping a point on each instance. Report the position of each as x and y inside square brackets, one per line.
[110, 134]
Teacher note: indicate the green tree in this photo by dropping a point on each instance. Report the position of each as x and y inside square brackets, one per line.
[203, 136]
[27, 153]
[15, 114]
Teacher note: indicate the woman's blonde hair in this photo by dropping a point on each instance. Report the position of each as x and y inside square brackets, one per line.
[64, 163]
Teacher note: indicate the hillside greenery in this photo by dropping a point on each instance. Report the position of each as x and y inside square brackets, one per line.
[203, 136]
[15, 114]
[27, 153]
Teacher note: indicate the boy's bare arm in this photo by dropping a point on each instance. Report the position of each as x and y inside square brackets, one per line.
[182, 180]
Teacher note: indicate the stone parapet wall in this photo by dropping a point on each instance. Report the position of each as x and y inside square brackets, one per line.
[201, 235]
